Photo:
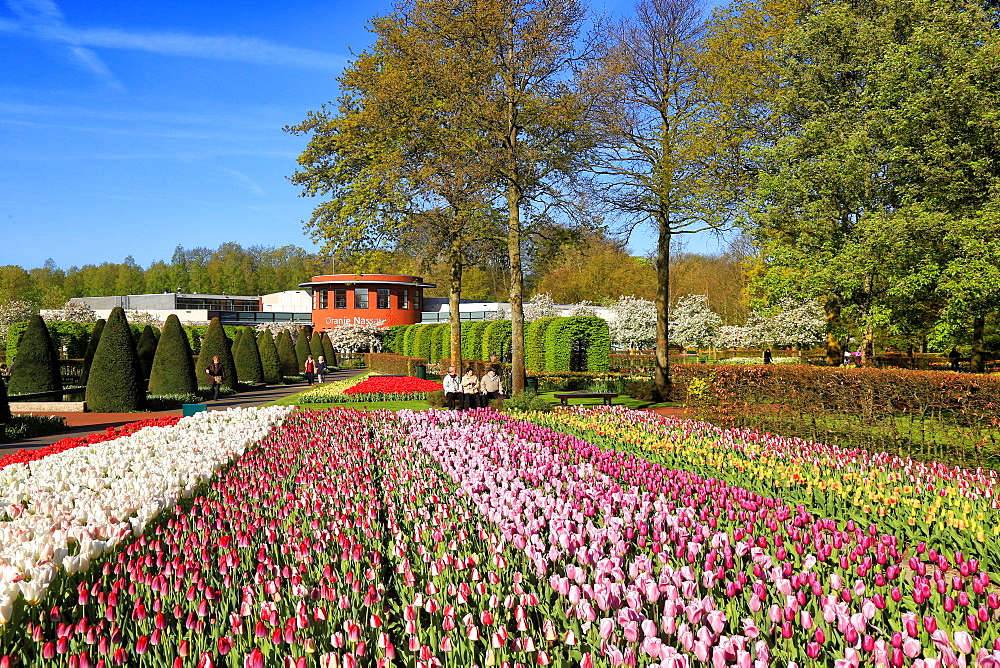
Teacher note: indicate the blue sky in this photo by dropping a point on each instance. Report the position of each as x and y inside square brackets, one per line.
[127, 128]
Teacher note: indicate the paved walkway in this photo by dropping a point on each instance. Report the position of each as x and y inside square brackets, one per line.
[81, 424]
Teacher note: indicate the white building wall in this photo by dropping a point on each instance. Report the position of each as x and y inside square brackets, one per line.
[289, 301]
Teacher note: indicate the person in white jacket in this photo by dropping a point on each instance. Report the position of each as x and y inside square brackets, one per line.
[453, 389]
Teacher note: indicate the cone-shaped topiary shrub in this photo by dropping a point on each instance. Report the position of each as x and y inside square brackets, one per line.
[269, 358]
[4, 408]
[302, 350]
[286, 354]
[328, 353]
[88, 357]
[36, 367]
[247, 358]
[172, 371]
[216, 343]
[115, 384]
[316, 346]
[146, 350]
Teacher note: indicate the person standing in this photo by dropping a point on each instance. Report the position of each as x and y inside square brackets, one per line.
[954, 357]
[216, 374]
[491, 387]
[470, 388]
[320, 369]
[767, 356]
[310, 368]
[453, 389]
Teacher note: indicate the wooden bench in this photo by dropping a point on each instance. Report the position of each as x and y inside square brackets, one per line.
[566, 396]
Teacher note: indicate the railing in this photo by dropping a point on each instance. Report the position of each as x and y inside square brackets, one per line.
[431, 316]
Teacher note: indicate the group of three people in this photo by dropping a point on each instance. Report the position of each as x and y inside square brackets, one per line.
[470, 391]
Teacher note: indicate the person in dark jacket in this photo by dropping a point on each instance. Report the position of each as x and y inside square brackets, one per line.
[217, 374]
[320, 368]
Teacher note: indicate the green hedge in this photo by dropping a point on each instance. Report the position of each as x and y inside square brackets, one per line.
[394, 365]
[115, 384]
[269, 360]
[74, 335]
[286, 354]
[472, 340]
[302, 350]
[196, 333]
[496, 339]
[36, 367]
[4, 408]
[559, 338]
[406, 349]
[422, 343]
[216, 343]
[392, 338]
[246, 355]
[172, 371]
[145, 349]
[534, 343]
[440, 342]
[88, 356]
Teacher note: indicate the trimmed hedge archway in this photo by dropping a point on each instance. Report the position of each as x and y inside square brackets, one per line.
[561, 334]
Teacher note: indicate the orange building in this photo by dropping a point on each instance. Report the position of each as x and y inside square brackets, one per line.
[366, 299]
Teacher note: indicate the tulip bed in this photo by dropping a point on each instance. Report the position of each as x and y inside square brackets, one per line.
[371, 388]
[478, 539]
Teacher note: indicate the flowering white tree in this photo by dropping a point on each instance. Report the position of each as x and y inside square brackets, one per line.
[278, 327]
[541, 306]
[73, 311]
[797, 322]
[584, 309]
[142, 318]
[736, 336]
[693, 323]
[353, 338]
[14, 311]
[634, 326]
[500, 314]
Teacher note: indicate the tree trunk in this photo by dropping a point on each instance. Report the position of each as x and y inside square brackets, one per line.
[516, 291]
[978, 362]
[454, 297]
[662, 376]
[868, 348]
[834, 353]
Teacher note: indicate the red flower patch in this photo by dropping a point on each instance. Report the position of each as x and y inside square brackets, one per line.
[393, 385]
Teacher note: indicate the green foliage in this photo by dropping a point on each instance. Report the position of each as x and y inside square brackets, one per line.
[172, 371]
[316, 345]
[394, 365]
[437, 399]
[496, 339]
[73, 335]
[559, 338]
[170, 402]
[408, 336]
[526, 402]
[423, 342]
[286, 354]
[27, 425]
[534, 344]
[392, 339]
[302, 350]
[329, 354]
[196, 333]
[472, 340]
[216, 343]
[36, 367]
[88, 358]
[4, 404]
[146, 350]
[440, 342]
[269, 359]
[115, 384]
[247, 358]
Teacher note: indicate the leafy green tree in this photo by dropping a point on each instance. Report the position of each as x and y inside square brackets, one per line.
[286, 354]
[172, 370]
[88, 358]
[216, 343]
[302, 350]
[247, 357]
[269, 360]
[36, 367]
[146, 350]
[115, 384]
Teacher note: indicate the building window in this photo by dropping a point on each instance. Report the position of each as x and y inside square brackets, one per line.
[340, 298]
[324, 299]
[360, 297]
[404, 298]
[383, 298]
[416, 300]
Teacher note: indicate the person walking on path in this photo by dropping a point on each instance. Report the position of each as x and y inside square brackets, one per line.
[217, 374]
[310, 369]
[490, 386]
[470, 388]
[453, 389]
[320, 369]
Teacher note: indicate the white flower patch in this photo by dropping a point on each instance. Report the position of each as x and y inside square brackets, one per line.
[66, 509]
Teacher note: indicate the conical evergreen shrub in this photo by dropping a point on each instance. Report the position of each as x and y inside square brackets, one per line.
[316, 346]
[247, 357]
[302, 350]
[36, 367]
[286, 354]
[115, 384]
[269, 358]
[172, 371]
[4, 408]
[328, 352]
[88, 357]
[146, 350]
[216, 343]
